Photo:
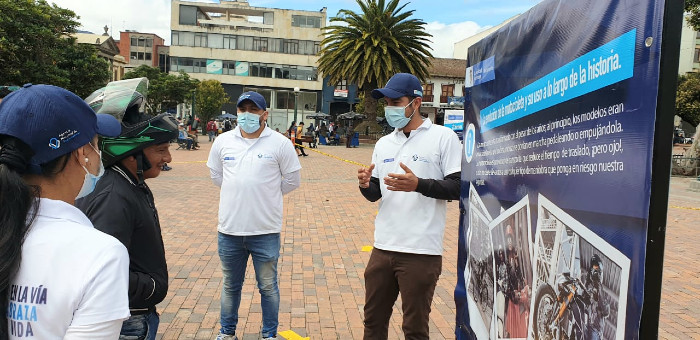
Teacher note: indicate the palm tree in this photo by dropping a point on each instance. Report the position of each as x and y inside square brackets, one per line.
[367, 48]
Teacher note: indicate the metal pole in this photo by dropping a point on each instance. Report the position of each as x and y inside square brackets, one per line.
[296, 96]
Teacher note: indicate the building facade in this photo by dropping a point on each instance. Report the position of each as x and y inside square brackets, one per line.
[140, 48]
[107, 49]
[444, 89]
[268, 50]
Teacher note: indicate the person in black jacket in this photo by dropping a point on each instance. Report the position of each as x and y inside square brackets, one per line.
[122, 205]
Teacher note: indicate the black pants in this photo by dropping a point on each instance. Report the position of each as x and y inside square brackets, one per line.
[389, 273]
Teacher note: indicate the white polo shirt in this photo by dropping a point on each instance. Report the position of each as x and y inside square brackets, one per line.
[251, 173]
[409, 222]
[71, 274]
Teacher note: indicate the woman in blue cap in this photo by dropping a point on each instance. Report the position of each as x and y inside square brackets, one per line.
[59, 277]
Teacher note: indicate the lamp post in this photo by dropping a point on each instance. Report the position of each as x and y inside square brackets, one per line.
[296, 97]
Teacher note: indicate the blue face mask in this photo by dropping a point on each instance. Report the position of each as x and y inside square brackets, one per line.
[90, 181]
[396, 115]
[249, 122]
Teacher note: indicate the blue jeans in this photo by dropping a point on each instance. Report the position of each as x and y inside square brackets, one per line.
[233, 252]
[211, 135]
[140, 327]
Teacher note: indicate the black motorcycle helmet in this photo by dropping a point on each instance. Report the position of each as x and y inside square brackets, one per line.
[596, 269]
[125, 100]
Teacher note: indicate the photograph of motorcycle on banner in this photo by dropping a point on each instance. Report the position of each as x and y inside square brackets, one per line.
[480, 276]
[579, 288]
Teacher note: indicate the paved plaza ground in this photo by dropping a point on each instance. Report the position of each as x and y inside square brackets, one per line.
[327, 223]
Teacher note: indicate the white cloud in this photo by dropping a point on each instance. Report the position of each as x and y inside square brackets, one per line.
[151, 16]
[445, 36]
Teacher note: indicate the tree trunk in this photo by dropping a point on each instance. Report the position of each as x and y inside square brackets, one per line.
[370, 106]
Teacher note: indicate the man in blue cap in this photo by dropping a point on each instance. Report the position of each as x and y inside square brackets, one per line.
[254, 166]
[414, 170]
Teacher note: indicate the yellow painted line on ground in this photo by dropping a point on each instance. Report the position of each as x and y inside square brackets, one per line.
[688, 208]
[367, 248]
[291, 335]
[336, 157]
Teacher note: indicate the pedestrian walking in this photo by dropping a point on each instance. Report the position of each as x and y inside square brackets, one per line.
[122, 205]
[414, 171]
[211, 129]
[59, 277]
[255, 167]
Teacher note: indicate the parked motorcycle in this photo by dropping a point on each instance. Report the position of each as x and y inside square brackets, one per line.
[562, 317]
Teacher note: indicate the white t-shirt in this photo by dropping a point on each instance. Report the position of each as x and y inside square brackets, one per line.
[71, 275]
[251, 171]
[409, 222]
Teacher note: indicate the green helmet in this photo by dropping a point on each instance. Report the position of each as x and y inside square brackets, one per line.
[125, 100]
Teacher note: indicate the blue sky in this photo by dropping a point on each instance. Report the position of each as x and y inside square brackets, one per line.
[482, 12]
[448, 21]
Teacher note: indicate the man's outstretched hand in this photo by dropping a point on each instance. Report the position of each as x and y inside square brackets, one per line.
[363, 175]
[402, 182]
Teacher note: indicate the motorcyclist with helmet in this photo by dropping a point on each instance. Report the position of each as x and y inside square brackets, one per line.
[122, 205]
[599, 307]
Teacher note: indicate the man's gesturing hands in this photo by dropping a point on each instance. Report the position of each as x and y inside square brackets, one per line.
[394, 182]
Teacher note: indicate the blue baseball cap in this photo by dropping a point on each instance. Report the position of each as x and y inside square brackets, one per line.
[52, 121]
[401, 84]
[254, 97]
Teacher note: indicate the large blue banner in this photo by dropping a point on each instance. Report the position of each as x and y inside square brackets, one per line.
[558, 133]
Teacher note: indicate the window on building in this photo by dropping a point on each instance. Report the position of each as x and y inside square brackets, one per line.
[200, 40]
[139, 55]
[188, 15]
[307, 101]
[269, 18]
[186, 39]
[427, 92]
[200, 66]
[134, 56]
[134, 41]
[149, 42]
[229, 67]
[215, 40]
[696, 59]
[306, 21]
[230, 42]
[245, 43]
[147, 56]
[306, 47]
[342, 85]
[447, 91]
[175, 38]
[274, 45]
[142, 42]
[291, 46]
[285, 100]
[260, 44]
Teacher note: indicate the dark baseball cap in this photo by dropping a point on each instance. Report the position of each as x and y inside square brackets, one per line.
[254, 97]
[400, 85]
[52, 121]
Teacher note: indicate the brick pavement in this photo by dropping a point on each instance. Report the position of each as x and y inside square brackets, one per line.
[327, 222]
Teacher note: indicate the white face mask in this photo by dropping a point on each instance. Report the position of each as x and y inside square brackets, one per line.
[396, 115]
[90, 181]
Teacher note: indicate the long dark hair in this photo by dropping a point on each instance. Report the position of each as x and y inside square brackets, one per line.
[19, 203]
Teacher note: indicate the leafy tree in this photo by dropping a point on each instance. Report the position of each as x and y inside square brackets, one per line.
[36, 47]
[693, 8]
[209, 99]
[688, 98]
[86, 71]
[164, 90]
[368, 47]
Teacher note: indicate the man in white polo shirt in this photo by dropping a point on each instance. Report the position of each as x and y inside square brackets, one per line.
[254, 166]
[414, 171]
